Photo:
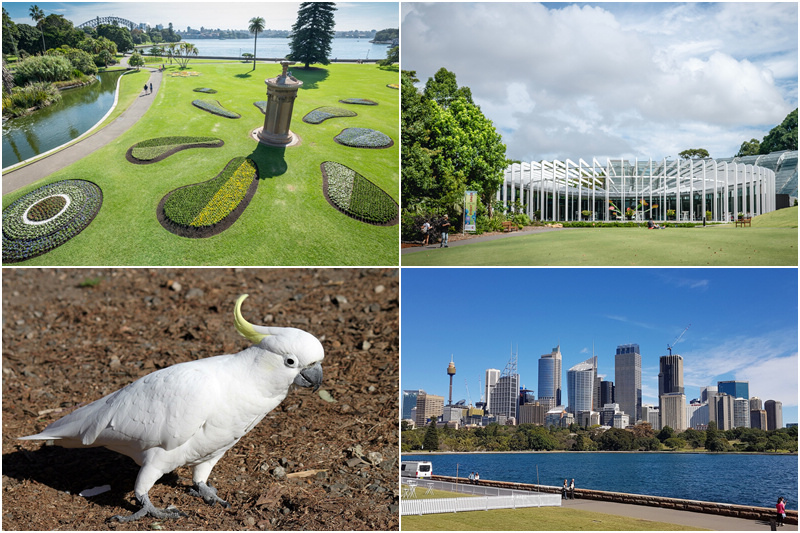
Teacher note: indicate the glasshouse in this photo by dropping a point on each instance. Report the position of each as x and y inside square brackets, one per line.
[682, 190]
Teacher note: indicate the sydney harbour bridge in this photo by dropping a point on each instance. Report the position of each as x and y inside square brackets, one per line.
[93, 23]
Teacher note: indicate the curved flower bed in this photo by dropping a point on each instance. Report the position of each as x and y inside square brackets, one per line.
[262, 105]
[208, 208]
[363, 138]
[184, 74]
[359, 101]
[215, 108]
[48, 217]
[321, 114]
[160, 148]
[393, 86]
[205, 90]
[356, 196]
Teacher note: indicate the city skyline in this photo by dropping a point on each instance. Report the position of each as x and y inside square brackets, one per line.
[477, 315]
[226, 16]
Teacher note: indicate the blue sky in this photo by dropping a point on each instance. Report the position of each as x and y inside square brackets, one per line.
[632, 80]
[223, 15]
[743, 325]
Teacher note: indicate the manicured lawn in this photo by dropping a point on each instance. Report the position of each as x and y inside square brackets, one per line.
[533, 519]
[419, 494]
[288, 222]
[766, 243]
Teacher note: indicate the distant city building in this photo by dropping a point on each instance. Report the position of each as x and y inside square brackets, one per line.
[505, 396]
[774, 411]
[452, 413]
[580, 386]
[621, 421]
[587, 418]
[736, 389]
[741, 413]
[526, 396]
[492, 375]
[451, 372]
[558, 416]
[720, 410]
[429, 406]
[697, 416]
[410, 401]
[550, 378]
[532, 413]
[607, 414]
[670, 379]
[652, 415]
[755, 404]
[673, 410]
[758, 419]
[628, 380]
[606, 392]
[705, 392]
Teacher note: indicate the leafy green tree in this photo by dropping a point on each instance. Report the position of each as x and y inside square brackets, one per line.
[665, 433]
[616, 439]
[782, 136]
[388, 34]
[443, 89]
[118, 35]
[183, 53]
[392, 56]
[696, 439]
[313, 33]
[37, 15]
[104, 58]
[256, 26]
[750, 147]
[60, 32]
[674, 443]
[10, 35]
[694, 153]
[136, 60]
[431, 440]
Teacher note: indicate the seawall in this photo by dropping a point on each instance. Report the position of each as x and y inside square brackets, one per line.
[723, 509]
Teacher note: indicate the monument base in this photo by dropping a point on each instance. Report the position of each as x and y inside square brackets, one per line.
[270, 139]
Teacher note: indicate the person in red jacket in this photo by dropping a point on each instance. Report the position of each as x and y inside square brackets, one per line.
[781, 508]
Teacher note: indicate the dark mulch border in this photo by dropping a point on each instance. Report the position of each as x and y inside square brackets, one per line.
[366, 101]
[392, 222]
[238, 115]
[131, 159]
[192, 232]
[88, 222]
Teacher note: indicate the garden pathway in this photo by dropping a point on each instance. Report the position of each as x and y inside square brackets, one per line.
[61, 158]
[527, 230]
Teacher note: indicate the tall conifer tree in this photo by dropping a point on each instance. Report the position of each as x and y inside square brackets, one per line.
[312, 34]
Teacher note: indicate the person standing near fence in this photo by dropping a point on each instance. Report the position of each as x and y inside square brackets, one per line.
[572, 489]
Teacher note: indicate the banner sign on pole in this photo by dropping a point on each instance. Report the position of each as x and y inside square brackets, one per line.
[470, 210]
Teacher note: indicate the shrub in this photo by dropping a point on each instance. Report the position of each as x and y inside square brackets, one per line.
[205, 90]
[356, 196]
[157, 149]
[42, 68]
[33, 95]
[48, 217]
[363, 138]
[521, 219]
[215, 108]
[321, 114]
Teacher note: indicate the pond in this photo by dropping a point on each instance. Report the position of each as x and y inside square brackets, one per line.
[48, 128]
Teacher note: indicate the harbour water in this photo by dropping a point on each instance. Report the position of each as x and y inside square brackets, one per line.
[341, 48]
[742, 479]
[48, 128]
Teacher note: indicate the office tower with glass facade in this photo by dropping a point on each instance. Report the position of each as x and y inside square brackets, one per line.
[758, 419]
[410, 402]
[741, 413]
[737, 389]
[606, 392]
[628, 380]
[670, 379]
[492, 375]
[774, 411]
[550, 378]
[505, 397]
[580, 386]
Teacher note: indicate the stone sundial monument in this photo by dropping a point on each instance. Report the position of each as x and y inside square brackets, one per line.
[281, 92]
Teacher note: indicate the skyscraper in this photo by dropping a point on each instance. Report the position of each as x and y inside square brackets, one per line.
[737, 389]
[492, 375]
[774, 411]
[410, 401]
[758, 419]
[628, 380]
[505, 396]
[606, 392]
[741, 413]
[673, 410]
[580, 386]
[550, 378]
[670, 380]
[755, 404]
[720, 410]
[428, 406]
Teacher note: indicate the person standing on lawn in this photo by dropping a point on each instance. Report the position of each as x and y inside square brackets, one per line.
[445, 227]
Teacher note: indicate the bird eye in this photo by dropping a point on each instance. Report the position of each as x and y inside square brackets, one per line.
[290, 362]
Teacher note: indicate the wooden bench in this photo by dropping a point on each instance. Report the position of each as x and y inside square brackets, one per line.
[509, 226]
[743, 221]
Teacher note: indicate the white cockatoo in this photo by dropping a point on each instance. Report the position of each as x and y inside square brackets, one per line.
[192, 413]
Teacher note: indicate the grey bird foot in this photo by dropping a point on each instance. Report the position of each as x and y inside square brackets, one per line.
[149, 509]
[208, 493]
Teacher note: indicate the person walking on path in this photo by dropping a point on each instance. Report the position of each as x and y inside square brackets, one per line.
[781, 509]
[426, 230]
[572, 489]
[145, 89]
[445, 226]
[151, 87]
[564, 491]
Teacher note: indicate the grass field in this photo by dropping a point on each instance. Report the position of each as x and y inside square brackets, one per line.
[771, 241]
[288, 222]
[533, 519]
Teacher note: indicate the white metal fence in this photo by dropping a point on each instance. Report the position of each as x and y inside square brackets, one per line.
[477, 503]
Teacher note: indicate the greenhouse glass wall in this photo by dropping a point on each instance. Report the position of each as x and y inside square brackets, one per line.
[684, 190]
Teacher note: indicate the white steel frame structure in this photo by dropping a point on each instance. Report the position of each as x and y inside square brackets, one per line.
[560, 190]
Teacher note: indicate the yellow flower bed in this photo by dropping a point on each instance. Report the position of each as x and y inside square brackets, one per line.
[227, 197]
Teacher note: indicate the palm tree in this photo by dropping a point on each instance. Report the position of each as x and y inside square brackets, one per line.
[37, 15]
[256, 26]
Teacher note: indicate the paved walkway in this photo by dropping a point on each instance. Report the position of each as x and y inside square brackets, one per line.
[527, 230]
[45, 166]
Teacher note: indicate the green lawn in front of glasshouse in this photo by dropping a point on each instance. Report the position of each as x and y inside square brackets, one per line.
[538, 519]
[288, 221]
[771, 241]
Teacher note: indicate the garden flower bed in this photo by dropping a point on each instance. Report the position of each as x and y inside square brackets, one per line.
[184, 74]
[356, 196]
[205, 90]
[359, 101]
[393, 86]
[215, 108]
[158, 149]
[363, 138]
[48, 217]
[321, 114]
[208, 208]
[262, 105]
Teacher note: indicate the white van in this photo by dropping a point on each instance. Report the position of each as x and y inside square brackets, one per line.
[417, 469]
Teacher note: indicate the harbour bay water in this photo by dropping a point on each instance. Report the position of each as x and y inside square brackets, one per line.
[48, 128]
[742, 479]
[278, 47]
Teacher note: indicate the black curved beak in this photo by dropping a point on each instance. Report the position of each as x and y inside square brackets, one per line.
[310, 377]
